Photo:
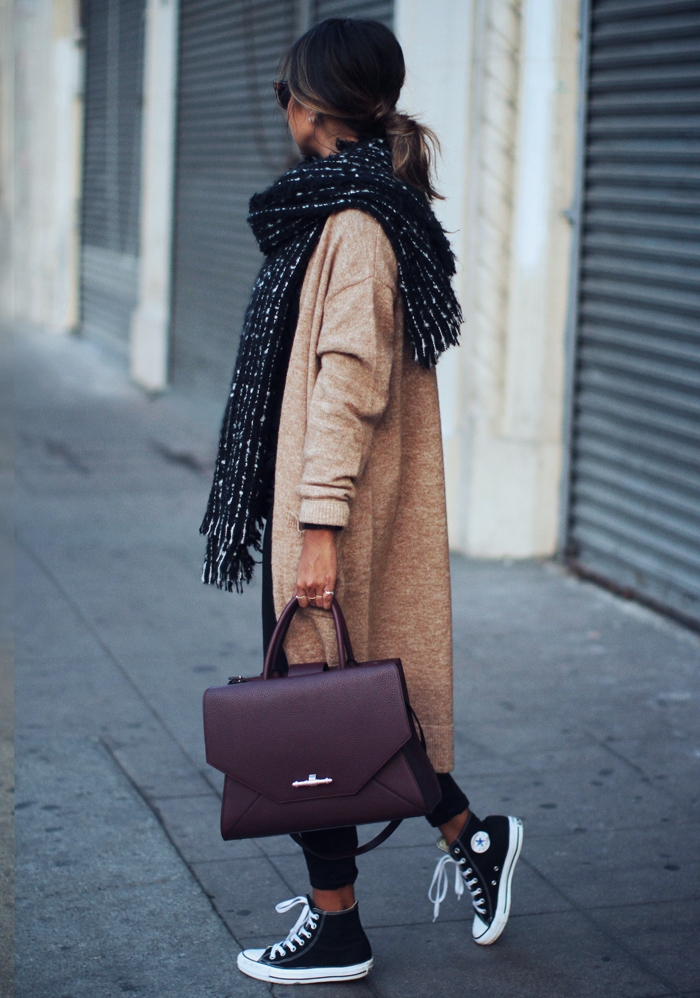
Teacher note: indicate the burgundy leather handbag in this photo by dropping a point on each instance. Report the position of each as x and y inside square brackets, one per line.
[318, 748]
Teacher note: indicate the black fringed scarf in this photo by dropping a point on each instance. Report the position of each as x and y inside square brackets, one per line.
[287, 220]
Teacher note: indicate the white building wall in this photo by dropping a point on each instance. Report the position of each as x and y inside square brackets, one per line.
[7, 158]
[497, 80]
[150, 328]
[42, 119]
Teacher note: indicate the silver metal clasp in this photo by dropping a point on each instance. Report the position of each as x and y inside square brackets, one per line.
[313, 781]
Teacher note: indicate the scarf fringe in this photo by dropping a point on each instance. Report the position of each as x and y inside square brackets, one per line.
[229, 566]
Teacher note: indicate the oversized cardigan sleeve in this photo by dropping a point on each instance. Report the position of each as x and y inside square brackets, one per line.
[355, 353]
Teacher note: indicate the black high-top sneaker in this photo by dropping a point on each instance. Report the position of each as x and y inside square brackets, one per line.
[323, 946]
[484, 854]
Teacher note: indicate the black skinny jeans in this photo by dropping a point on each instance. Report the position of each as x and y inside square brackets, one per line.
[330, 874]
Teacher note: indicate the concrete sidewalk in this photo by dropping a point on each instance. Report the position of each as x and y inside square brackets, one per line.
[6, 672]
[574, 710]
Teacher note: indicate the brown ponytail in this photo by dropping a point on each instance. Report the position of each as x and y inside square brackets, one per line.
[353, 70]
[413, 151]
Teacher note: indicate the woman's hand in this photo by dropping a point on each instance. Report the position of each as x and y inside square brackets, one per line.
[318, 565]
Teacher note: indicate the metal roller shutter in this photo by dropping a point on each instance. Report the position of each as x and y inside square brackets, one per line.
[378, 10]
[232, 141]
[114, 31]
[635, 488]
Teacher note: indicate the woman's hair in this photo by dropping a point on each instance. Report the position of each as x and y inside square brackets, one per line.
[353, 69]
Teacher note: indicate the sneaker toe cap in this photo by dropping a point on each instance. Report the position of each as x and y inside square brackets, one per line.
[254, 955]
[479, 928]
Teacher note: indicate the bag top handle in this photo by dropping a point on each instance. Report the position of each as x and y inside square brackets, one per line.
[345, 652]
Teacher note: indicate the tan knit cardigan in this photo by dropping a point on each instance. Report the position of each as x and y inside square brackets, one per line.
[360, 448]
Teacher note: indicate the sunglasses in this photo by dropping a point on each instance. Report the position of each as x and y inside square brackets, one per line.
[282, 93]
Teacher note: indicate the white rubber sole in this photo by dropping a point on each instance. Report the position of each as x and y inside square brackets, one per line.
[485, 935]
[319, 975]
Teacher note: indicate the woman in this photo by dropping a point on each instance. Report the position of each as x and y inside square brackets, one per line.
[332, 436]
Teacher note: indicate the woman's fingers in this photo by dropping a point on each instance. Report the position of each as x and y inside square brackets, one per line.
[317, 569]
[322, 598]
[307, 594]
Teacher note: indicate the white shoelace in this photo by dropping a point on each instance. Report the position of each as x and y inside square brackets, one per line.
[437, 892]
[307, 920]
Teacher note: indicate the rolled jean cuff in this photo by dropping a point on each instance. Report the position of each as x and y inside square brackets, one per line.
[331, 874]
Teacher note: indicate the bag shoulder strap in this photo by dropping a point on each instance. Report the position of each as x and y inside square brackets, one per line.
[360, 851]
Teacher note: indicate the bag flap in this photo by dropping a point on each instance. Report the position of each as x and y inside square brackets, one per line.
[316, 736]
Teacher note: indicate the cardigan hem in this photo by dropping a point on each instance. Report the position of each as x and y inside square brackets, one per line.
[439, 740]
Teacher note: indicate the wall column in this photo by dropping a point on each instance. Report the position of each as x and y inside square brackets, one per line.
[438, 39]
[41, 162]
[151, 322]
[505, 112]
[7, 160]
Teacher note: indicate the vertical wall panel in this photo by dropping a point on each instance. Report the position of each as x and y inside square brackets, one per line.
[114, 31]
[635, 489]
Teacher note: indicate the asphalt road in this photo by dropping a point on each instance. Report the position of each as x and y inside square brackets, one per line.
[575, 710]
